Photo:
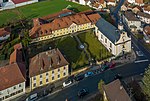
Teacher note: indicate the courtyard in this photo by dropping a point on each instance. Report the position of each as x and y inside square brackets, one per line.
[71, 50]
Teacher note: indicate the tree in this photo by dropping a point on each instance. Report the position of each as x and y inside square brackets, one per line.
[100, 85]
[146, 81]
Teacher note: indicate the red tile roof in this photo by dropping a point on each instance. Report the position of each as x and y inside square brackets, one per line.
[60, 23]
[4, 31]
[139, 1]
[147, 29]
[19, 1]
[46, 61]
[18, 46]
[16, 57]
[10, 75]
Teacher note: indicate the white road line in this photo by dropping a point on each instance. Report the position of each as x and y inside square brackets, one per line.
[141, 61]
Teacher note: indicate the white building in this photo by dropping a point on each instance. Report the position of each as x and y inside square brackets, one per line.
[136, 2]
[111, 2]
[4, 33]
[116, 41]
[133, 22]
[146, 8]
[12, 82]
[144, 17]
[10, 4]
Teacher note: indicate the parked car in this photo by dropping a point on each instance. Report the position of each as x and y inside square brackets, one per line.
[118, 76]
[88, 74]
[32, 97]
[139, 53]
[79, 77]
[67, 83]
[82, 93]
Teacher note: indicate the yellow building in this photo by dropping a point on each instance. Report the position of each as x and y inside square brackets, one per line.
[59, 26]
[47, 67]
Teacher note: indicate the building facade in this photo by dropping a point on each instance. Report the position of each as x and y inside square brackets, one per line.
[61, 26]
[115, 40]
[132, 21]
[11, 88]
[46, 68]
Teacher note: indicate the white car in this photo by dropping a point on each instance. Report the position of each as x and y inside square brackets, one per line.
[67, 83]
[139, 53]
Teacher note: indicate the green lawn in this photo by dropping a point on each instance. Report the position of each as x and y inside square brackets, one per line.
[69, 47]
[97, 50]
[37, 10]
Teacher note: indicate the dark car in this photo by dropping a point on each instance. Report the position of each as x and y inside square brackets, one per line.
[79, 77]
[118, 76]
[82, 93]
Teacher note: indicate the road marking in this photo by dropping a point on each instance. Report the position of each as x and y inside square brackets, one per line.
[141, 61]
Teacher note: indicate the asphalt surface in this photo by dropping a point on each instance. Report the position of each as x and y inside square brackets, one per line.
[91, 83]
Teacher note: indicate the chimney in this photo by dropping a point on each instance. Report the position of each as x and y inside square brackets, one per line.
[121, 87]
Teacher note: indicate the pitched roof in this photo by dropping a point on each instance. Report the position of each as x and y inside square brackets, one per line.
[16, 56]
[46, 61]
[19, 1]
[147, 29]
[144, 15]
[146, 7]
[10, 75]
[139, 1]
[18, 46]
[130, 16]
[60, 23]
[55, 15]
[116, 92]
[108, 30]
[4, 31]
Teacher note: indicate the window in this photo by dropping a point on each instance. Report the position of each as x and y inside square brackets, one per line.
[58, 70]
[34, 78]
[14, 87]
[19, 85]
[64, 67]
[46, 80]
[53, 78]
[105, 40]
[46, 74]
[58, 76]
[52, 72]
[34, 85]
[101, 36]
[110, 45]
[40, 76]
[40, 82]
[64, 74]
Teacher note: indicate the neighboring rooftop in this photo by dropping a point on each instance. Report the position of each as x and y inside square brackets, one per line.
[110, 31]
[146, 15]
[146, 7]
[19, 1]
[130, 16]
[147, 29]
[116, 92]
[42, 29]
[5, 31]
[139, 1]
[46, 61]
[10, 75]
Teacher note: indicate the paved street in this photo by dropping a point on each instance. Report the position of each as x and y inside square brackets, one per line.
[92, 82]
